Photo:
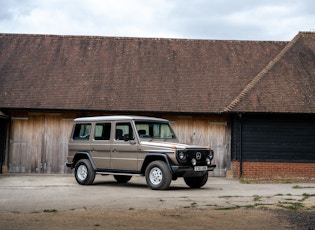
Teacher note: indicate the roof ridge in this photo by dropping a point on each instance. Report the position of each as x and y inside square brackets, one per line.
[260, 75]
[137, 38]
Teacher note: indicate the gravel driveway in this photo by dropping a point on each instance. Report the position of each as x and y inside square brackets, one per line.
[292, 203]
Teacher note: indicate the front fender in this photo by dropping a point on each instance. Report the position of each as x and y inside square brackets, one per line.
[157, 156]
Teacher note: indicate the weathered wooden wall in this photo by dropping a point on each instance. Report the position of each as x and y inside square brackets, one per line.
[38, 142]
[211, 131]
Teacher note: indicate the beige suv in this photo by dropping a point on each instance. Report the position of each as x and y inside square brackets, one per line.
[126, 146]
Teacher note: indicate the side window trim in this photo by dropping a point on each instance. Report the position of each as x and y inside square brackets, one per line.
[122, 128]
[82, 131]
[102, 131]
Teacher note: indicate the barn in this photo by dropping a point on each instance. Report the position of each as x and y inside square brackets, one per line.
[252, 101]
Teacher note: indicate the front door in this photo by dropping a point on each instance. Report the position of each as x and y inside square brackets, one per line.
[124, 154]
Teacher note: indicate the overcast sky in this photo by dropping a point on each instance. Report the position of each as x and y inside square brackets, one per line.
[193, 19]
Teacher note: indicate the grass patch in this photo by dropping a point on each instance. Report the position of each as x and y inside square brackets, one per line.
[229, 208]
[50, 210]
[211, 205]
[306, 196]
[257, 198]
[249, 206]
[244, 181]
[291, 205]
[193, 204]
[279, 194]
[227, 197]
[301, 187]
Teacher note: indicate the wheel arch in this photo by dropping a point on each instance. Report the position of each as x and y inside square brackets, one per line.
[153, 157]
[83, 155]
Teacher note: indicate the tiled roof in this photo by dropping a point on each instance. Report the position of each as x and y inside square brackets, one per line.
[151, 75]
[286, 84]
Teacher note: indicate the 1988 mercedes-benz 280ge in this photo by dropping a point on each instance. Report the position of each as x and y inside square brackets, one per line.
[126, 146]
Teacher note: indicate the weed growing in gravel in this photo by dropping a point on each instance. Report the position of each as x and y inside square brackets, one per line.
[301, 187]
[192, 205]
[227, 197]
[244, 181]
[229, 208]
[291, 205]
[279, 194]
[257, 198]
[306, 196]
[50, 210]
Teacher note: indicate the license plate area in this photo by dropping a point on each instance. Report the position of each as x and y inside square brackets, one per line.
[200, 168]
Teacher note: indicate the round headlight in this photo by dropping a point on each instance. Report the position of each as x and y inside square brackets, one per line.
[211, 153]
[193, 161]
[182, 155]
[208, 161]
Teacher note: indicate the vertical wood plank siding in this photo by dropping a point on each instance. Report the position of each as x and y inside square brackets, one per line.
[39, 144]
[211, 131]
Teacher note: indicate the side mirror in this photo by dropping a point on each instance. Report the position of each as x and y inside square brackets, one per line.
[126, 137]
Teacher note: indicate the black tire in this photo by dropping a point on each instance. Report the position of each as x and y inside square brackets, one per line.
[158, 175]
[122, 179]
[196, 182]
[84, 172]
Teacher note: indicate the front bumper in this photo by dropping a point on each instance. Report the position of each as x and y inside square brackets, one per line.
[182, 169]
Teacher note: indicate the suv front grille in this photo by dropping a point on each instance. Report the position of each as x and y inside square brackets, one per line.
[192, 153]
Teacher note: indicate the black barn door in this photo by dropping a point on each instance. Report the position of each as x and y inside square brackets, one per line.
[274, 138]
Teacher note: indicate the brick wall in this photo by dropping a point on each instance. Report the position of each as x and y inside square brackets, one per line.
[274, 170]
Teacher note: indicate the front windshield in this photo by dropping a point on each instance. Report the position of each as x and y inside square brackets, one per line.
[154, 130]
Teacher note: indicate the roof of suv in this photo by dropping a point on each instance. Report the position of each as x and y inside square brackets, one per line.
[117, 118]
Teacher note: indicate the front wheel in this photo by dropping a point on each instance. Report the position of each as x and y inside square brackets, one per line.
[196, 182]
[158, 175]
[84, 172]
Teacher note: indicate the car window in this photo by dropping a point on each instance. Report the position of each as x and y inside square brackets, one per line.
[157, 130]
[82, 132]
[102, 131]
[122, 129]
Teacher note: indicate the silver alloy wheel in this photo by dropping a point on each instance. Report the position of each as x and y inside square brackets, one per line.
[82, 172]
[156, 175]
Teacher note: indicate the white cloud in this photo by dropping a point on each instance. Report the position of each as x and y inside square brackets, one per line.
[199, 19]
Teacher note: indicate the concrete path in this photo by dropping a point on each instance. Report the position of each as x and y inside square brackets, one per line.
[31, 193]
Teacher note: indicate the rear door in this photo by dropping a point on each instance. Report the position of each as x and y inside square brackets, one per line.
[101, 145]
[124, 154]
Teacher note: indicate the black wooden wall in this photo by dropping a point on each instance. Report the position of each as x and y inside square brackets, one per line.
[273, 138]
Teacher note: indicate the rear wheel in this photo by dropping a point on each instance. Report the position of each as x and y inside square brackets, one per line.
[158, 175]
[122, 179]
[196, 182]
[84, 172]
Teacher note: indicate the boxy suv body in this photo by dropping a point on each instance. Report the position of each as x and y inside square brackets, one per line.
[126, 146]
